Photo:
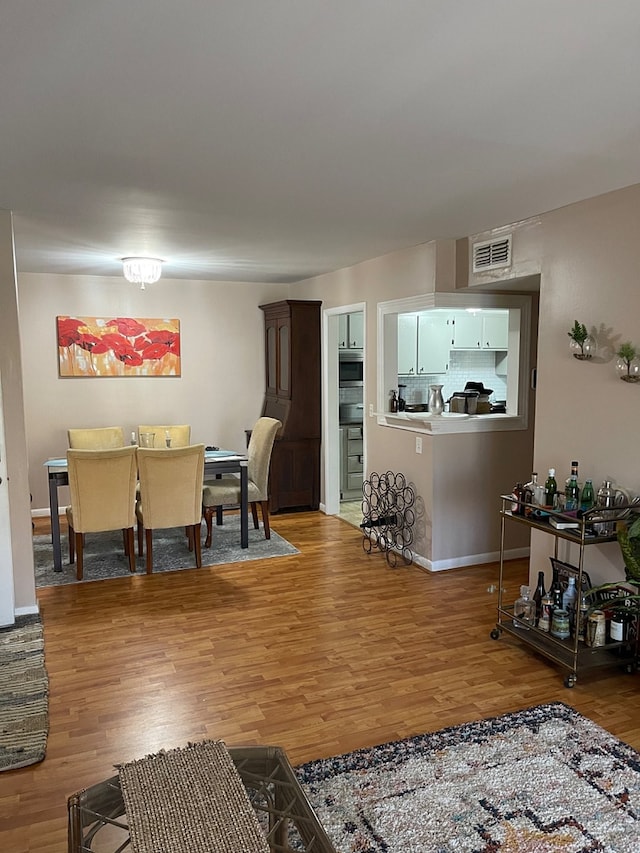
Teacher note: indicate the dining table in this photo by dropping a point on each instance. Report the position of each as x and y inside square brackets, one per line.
[216, 463]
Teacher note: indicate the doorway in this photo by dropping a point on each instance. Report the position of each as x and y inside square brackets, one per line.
[333, 442]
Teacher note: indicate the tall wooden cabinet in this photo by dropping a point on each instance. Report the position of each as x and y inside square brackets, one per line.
[293, 393]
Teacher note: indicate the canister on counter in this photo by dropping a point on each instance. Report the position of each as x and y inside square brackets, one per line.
[560, 624]
[596, 629]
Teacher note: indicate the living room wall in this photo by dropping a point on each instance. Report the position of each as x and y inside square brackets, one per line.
[590, 273]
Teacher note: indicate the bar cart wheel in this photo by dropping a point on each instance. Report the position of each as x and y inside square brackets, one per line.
[495, 634]
[570, 680]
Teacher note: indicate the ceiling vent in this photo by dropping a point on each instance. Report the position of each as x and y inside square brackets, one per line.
[492, 254]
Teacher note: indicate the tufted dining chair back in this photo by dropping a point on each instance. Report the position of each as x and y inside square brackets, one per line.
[170, 494]
[101, 438]
[102, 487]
[225, 491]
[179, 434]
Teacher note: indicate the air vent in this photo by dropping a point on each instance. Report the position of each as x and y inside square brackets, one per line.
[492, 254]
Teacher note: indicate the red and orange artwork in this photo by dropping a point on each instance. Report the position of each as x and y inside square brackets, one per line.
[118, 346]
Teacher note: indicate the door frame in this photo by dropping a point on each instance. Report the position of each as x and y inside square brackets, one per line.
[7, 591]
[331, 402]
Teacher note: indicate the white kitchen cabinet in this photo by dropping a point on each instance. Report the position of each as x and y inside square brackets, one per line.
[434, 343]
[495, 326]
[424, 341]
[482, 330]
[407, 344]
[351, 330]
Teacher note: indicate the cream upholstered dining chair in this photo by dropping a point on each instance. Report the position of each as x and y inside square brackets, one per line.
[225, 491]
[102, 485]
[101, 438]
[179, 434]
[170, 495]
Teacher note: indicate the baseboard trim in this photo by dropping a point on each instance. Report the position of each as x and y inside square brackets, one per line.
[41, 513]
[471, 560]
[29, 610]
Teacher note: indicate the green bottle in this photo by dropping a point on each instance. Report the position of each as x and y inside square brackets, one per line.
[550, 487]
[588, 498]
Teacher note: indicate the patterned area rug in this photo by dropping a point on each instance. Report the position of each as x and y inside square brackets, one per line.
[24, 690]
[545, 779]
[104, 555]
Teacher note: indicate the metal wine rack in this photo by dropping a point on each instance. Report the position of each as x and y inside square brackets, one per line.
[388, 517]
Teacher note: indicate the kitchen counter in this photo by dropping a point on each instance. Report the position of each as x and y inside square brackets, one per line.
[450, 422]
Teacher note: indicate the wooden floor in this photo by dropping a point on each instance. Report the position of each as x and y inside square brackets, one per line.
[321, 653]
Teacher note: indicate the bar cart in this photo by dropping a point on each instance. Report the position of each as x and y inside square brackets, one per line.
[572, 654]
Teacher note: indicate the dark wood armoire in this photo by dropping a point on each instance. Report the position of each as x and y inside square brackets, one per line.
[293, 395]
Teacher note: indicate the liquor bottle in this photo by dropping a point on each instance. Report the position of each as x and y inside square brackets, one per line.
[569, 600]
[544, 622]
[517, 506]
[550, 487]
[393, 405]
[606, 499]
[581, 622]
[572, 494]
[588, 497]
[574, 472]
[539, 594]
[524, 609]
[529, 493]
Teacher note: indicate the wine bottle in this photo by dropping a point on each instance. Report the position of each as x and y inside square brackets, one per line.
[556, 590]
[550, 487]
[538, 594]
[380, 521]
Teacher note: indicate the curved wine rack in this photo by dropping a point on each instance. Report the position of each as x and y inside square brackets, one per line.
[388, 517]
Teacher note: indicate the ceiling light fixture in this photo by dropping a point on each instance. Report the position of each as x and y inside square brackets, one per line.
[142, 271]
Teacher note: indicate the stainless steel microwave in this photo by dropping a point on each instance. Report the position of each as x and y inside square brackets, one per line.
[350, 369]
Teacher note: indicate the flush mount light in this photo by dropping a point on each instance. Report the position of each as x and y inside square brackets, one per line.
[142, 271]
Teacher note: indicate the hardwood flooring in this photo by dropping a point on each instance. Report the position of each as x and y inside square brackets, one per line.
[321, 653]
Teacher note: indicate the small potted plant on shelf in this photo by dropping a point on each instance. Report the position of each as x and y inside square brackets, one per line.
[628, 365]
[581, 343]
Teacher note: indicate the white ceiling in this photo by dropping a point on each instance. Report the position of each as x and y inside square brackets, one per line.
[271, 140]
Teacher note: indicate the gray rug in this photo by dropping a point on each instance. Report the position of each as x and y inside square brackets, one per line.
[24, 694]
[104, 555]
[543, 779]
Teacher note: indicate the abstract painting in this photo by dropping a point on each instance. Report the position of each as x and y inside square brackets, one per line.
[118, 346]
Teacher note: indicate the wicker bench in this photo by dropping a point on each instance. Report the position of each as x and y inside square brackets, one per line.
[97, 819]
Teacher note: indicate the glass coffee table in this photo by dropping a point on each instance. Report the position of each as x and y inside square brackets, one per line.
[98, 823]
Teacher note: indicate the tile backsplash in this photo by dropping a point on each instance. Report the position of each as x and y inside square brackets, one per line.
[464, 367]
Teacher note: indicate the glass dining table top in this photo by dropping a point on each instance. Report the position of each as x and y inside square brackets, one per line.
[209, 456]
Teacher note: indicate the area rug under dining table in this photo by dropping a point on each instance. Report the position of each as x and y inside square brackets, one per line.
[543, 780]
[104, 555]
